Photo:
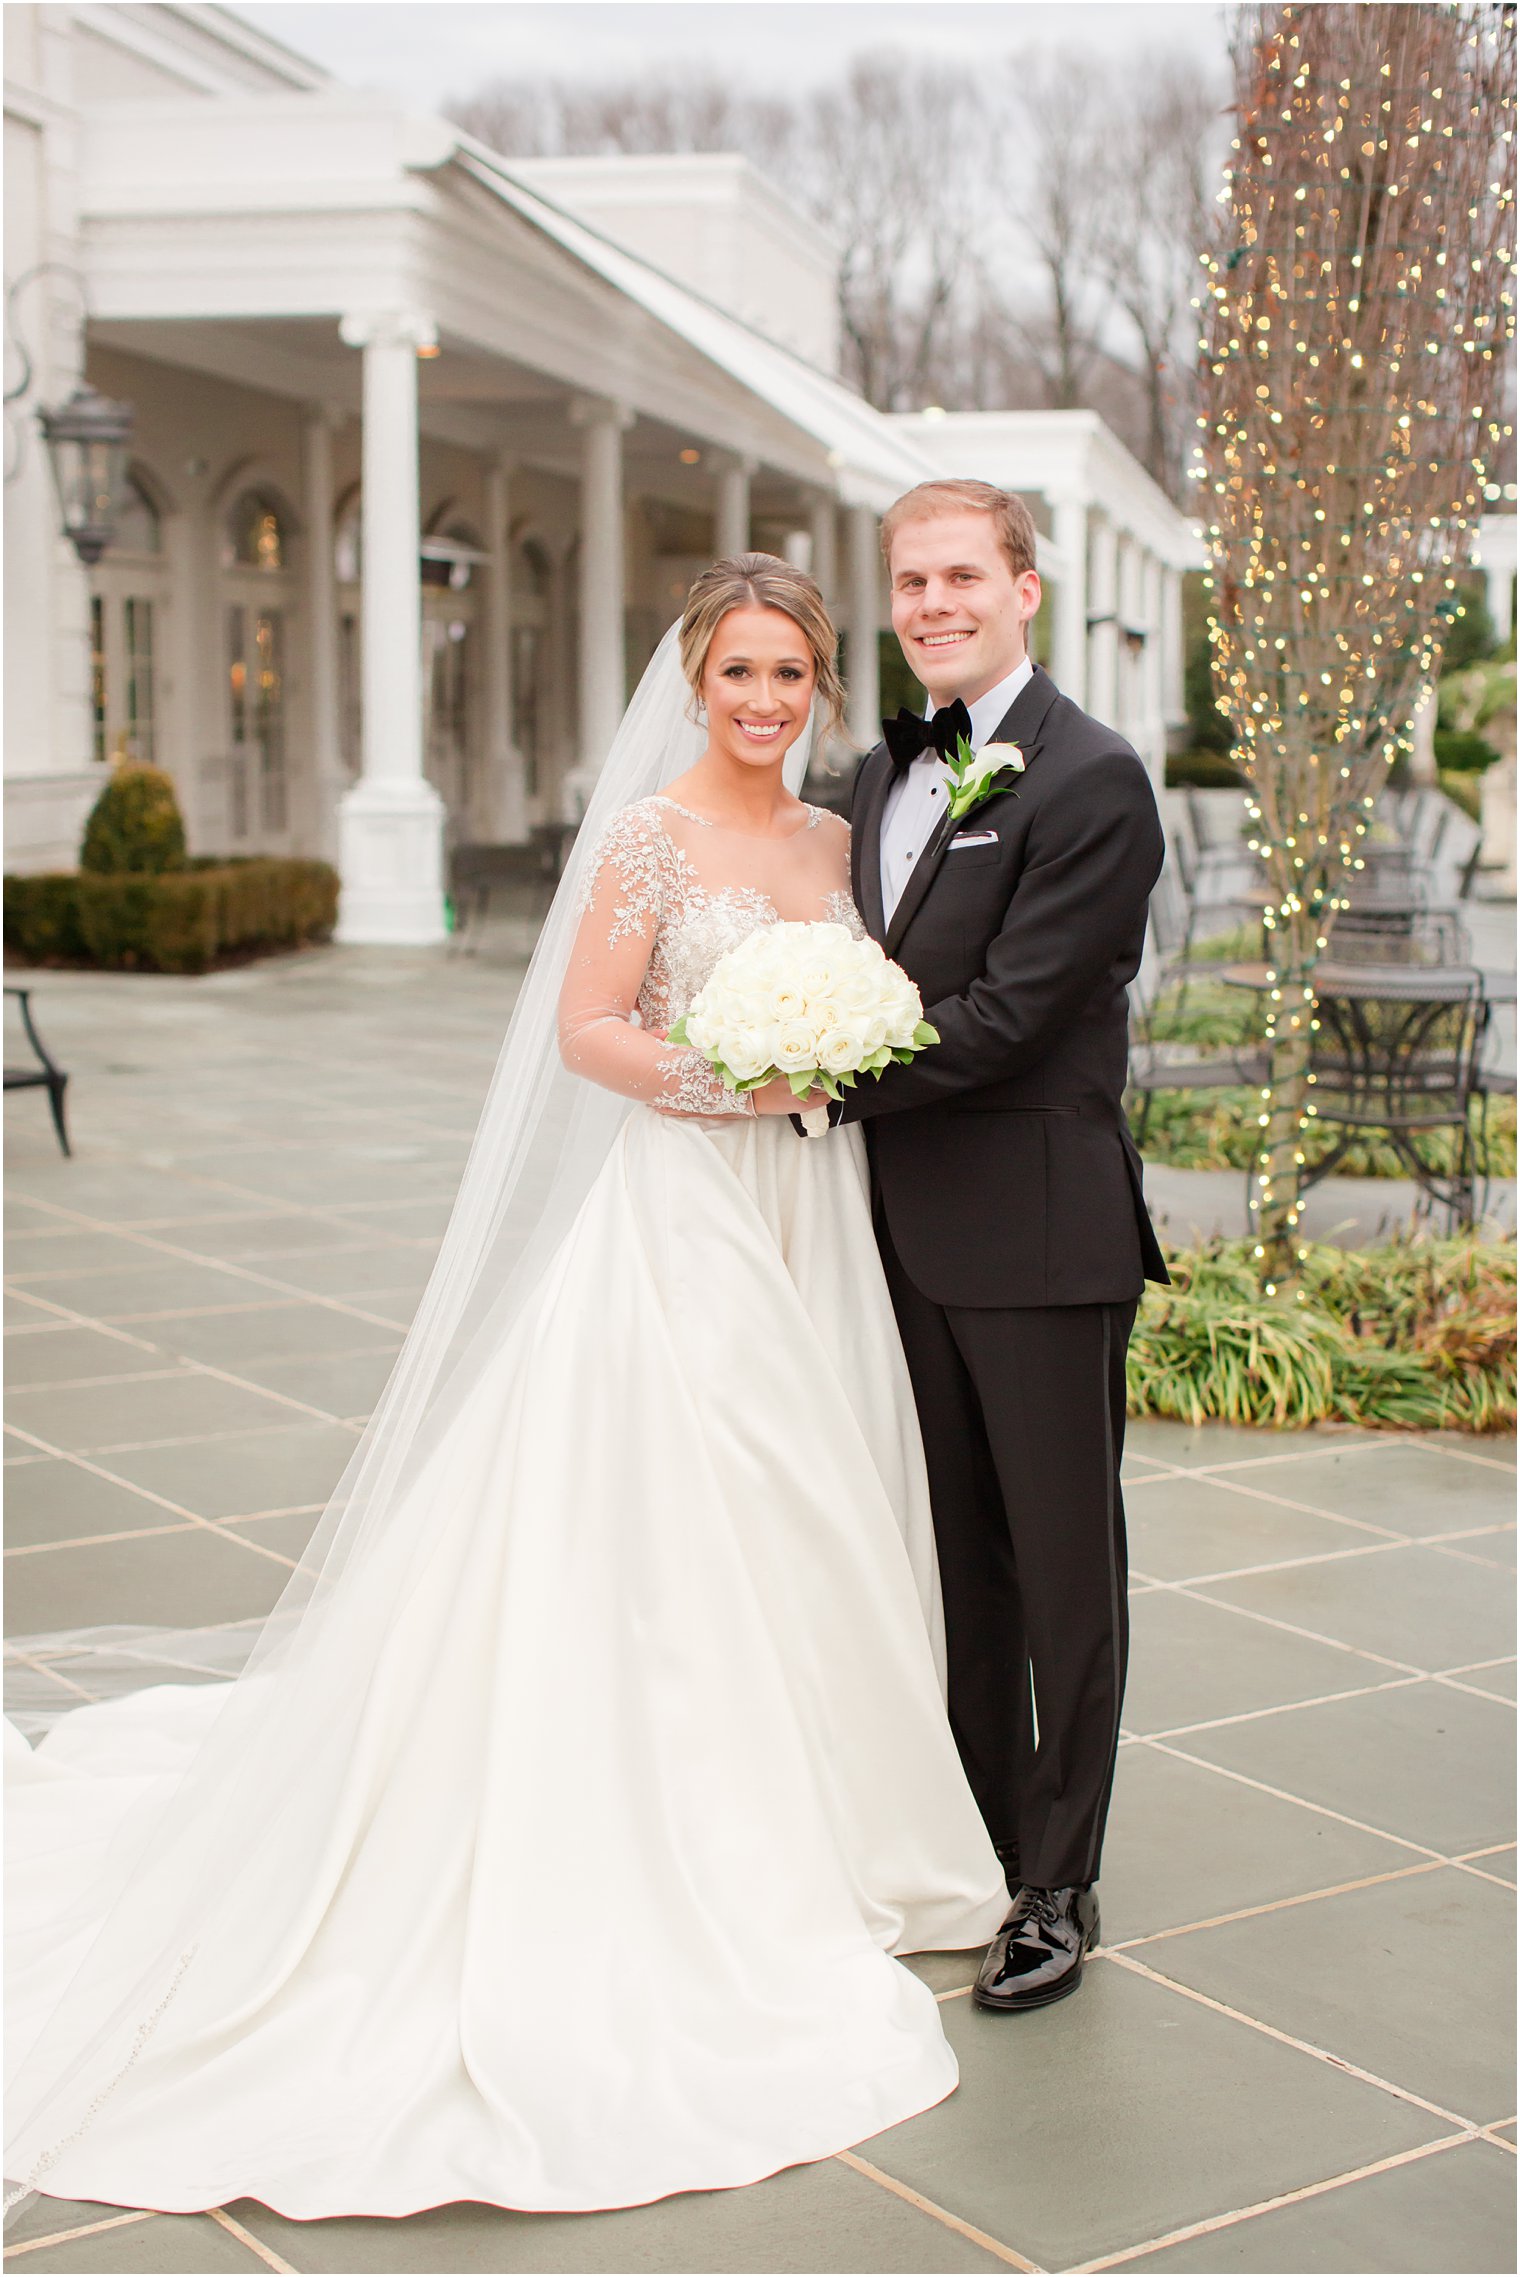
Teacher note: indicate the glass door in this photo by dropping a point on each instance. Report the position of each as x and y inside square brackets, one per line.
[258, 816]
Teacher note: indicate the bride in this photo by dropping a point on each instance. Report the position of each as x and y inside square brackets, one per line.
[555, 1846]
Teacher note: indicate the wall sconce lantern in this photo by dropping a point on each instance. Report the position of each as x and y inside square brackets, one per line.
[87, 448]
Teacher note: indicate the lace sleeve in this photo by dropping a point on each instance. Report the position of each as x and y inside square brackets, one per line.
[634, 884]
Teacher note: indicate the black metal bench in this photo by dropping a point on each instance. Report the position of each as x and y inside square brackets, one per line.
[48, 1076]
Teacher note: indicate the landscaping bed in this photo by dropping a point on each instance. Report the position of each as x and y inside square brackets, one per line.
[1416, 1335]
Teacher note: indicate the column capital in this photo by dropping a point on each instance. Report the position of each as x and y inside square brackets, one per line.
[599, 411]
[387, 327]
[325, 413]
[735, 462]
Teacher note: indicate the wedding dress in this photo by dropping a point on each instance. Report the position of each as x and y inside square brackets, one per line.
[560, 1860]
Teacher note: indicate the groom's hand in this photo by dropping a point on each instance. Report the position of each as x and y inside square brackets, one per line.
[779, 1098]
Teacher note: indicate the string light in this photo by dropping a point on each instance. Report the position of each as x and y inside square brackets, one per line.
[1347, 429]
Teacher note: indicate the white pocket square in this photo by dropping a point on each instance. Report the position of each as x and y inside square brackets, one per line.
[974, 838]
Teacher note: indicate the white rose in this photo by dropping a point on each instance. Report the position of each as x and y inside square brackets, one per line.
[746, 1053]
[857, 990]
[795, 1047]
[873, 1032]
[839, 1051]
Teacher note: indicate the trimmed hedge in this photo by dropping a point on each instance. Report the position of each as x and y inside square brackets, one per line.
[175, 921]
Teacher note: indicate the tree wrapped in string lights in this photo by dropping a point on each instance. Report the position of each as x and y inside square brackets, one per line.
[1358, 305]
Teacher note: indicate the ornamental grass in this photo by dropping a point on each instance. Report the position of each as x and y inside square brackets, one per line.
[1417, 1334]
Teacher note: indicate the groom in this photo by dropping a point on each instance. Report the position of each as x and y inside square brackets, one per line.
[1007, 1193]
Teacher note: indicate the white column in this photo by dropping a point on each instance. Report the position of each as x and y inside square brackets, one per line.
[326, 780]
[731, 520]
[1499, 591]
[1173, 692]
[1068, 660]
[1497, 813]
[503, 814]
[864, 621]
[390, 835]
[1153, 750]
[602, 666]
[1103, 619]
[1422, 738]
[824, 524]
[1131, 720]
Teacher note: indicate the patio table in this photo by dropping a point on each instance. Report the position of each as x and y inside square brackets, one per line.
[1412, 980]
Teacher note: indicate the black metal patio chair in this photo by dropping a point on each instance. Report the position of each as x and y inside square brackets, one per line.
[1395, 1055]
[478, 869]
[1390, 876]
[46, 1076]
[1176, 1066]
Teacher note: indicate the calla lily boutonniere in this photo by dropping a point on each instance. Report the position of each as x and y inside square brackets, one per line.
[976, 776]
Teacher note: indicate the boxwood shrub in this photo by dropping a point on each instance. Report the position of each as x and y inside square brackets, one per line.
[181, 920]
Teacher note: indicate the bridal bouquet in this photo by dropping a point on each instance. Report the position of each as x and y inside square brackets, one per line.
[809, 1002]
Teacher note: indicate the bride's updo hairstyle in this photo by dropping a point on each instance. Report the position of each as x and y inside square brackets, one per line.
[764, 581]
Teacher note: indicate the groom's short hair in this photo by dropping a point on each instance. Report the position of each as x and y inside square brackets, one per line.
[1011, 518]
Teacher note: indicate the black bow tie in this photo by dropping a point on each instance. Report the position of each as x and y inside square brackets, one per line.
[908, 734]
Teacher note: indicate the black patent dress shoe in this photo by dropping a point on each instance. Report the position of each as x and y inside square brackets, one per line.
[1037, 1955]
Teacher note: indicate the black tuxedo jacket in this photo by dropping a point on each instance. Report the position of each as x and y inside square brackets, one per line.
[1001, 1158]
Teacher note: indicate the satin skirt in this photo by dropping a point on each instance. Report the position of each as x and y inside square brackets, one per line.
[657, 1783]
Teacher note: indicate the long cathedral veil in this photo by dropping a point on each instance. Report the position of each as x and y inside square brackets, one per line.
[254, 1814]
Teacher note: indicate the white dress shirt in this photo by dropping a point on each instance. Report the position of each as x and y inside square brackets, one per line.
[916, 800]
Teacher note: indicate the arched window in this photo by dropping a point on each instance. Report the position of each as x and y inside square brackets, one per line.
[256, 535]
[137, 526]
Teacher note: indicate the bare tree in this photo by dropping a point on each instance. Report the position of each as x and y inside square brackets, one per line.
[1156, 190]
[1051, 169]
[553, 118]
[1020, 244]
[893, 155]
[1359, 307]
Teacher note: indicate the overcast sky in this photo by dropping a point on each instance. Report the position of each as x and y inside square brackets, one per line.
[428, 49]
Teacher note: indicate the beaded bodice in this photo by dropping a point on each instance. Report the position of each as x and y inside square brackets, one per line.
[667, 895]
[695, 924]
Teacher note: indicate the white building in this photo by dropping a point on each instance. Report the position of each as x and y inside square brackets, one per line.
[381, 379]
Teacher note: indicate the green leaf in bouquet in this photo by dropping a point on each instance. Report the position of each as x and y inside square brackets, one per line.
[802, 1084]
[677, 1033]
[923, 1034]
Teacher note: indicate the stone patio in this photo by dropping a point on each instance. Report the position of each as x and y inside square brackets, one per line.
[1293, 2054]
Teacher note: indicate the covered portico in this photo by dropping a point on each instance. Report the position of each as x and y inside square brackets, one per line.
[493, 383]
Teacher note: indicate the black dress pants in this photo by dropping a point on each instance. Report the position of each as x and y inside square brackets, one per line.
[1023, 1423]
